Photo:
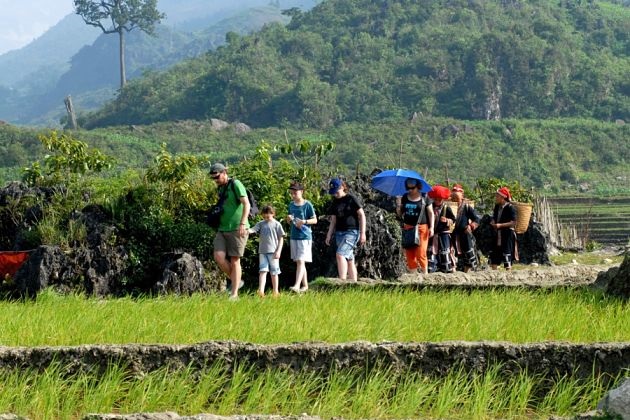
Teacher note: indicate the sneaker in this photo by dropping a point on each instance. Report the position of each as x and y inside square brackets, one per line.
[228, 287]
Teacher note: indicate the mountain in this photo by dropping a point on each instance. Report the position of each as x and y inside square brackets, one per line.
[47, 57]
[88, 70]
[370, 60]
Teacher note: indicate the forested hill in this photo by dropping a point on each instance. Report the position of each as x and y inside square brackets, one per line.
[368, 60]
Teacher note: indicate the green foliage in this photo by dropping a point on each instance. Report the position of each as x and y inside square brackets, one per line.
[487, 188]
[361, 60]
[70, 157]
[176, 174]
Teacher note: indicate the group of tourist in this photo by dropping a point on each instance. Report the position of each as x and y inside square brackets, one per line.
[440, 237]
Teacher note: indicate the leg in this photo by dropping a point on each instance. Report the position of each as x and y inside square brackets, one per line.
[224, 264]
[274, 285]
[262, 280]
[423, 261]
[352, 271]
[342, 266]
[300, 271]
[235, 275]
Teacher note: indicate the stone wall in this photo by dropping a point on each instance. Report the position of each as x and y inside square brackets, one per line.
[546, 359]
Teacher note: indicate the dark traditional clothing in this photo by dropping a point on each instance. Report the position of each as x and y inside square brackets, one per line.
[505, 247]
[463, 238]
[441, 258]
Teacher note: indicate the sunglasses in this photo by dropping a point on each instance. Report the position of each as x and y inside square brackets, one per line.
[215, 176]
[411, 187]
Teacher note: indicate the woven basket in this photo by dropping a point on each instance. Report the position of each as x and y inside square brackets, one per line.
[523, 214]
[453, 206]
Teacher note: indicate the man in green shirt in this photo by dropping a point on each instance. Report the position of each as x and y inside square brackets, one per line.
[231, 238]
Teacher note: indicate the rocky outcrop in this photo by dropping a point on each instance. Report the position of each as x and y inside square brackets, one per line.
[617, 401]
[533, 245]
[182, 274]
[616, 281]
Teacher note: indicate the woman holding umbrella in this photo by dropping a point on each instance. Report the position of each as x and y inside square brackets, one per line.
[417, 213]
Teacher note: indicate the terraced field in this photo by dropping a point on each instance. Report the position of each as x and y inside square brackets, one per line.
[603, 220]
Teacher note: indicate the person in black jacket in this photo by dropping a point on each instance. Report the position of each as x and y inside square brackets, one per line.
[441, 257]
[503, 222]
[466, 221]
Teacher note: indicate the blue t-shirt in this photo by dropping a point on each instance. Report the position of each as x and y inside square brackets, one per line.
[305, 211]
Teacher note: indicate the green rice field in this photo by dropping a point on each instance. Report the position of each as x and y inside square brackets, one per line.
[333, 316]
[602, 220]
[517, 316]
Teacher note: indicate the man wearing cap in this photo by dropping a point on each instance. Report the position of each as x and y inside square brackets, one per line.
[347, 222]
[503, 222]
[231, 238]
[466, 221]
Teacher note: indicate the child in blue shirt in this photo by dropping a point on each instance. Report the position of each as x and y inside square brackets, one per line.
[301, 214]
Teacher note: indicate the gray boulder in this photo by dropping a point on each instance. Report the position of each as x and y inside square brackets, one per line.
[183, 274]
[616, 281]
[617, 401]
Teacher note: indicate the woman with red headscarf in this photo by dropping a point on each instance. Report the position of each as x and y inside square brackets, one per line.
[441, 258]
[503, 222]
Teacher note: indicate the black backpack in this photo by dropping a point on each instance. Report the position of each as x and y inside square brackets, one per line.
[253, 205]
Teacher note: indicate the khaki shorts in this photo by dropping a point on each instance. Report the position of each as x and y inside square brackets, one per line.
[231, 243]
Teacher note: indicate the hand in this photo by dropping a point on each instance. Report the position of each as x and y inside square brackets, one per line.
[431, 232]
[493, 224]
[443, 219]
[328, 237]
[362, 239]
[276, 255]
[242, 230]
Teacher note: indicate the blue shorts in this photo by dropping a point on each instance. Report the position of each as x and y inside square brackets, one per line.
[266, 262]
[347, 241]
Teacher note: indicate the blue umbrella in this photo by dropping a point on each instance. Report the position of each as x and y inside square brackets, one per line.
[392, 181]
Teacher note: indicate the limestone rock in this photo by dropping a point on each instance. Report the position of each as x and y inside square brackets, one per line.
[183, 274]
[617, 401]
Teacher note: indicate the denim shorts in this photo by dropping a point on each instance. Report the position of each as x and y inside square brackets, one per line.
[346, 243]
[266, 262]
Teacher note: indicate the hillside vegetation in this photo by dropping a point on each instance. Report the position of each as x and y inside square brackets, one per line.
[555, 156]
[366, 60]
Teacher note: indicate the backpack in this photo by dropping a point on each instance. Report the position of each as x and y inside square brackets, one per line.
[253, 205]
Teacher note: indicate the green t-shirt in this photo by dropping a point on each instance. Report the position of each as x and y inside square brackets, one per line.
[232, 207]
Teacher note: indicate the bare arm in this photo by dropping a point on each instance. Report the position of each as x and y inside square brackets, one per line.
[331, 229]
[362, 237]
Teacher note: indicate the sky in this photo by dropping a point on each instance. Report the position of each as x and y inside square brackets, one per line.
[21, 21]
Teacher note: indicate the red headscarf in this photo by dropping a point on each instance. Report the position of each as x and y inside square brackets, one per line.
[505, 193]
[439, 191]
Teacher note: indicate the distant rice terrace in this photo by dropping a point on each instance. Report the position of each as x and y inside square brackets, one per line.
[602, 220]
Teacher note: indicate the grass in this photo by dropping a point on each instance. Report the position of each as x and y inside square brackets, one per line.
[377, 393]
[585, 258]
[374, 315]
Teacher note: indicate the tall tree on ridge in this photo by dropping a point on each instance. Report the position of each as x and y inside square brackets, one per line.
[120, 16]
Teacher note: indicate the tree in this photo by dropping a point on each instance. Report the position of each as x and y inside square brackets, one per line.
[120, 16]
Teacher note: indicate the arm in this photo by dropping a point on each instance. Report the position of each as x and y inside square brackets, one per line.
[276, 254]
[430, 218]
[331, 228]
[399, 206]
[241, 228]
[362, 237]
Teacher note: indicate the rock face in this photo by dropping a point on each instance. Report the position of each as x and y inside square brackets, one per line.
[183, 274]
[47, 266]
[616, 281]
[533, 245]
[617, 401]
